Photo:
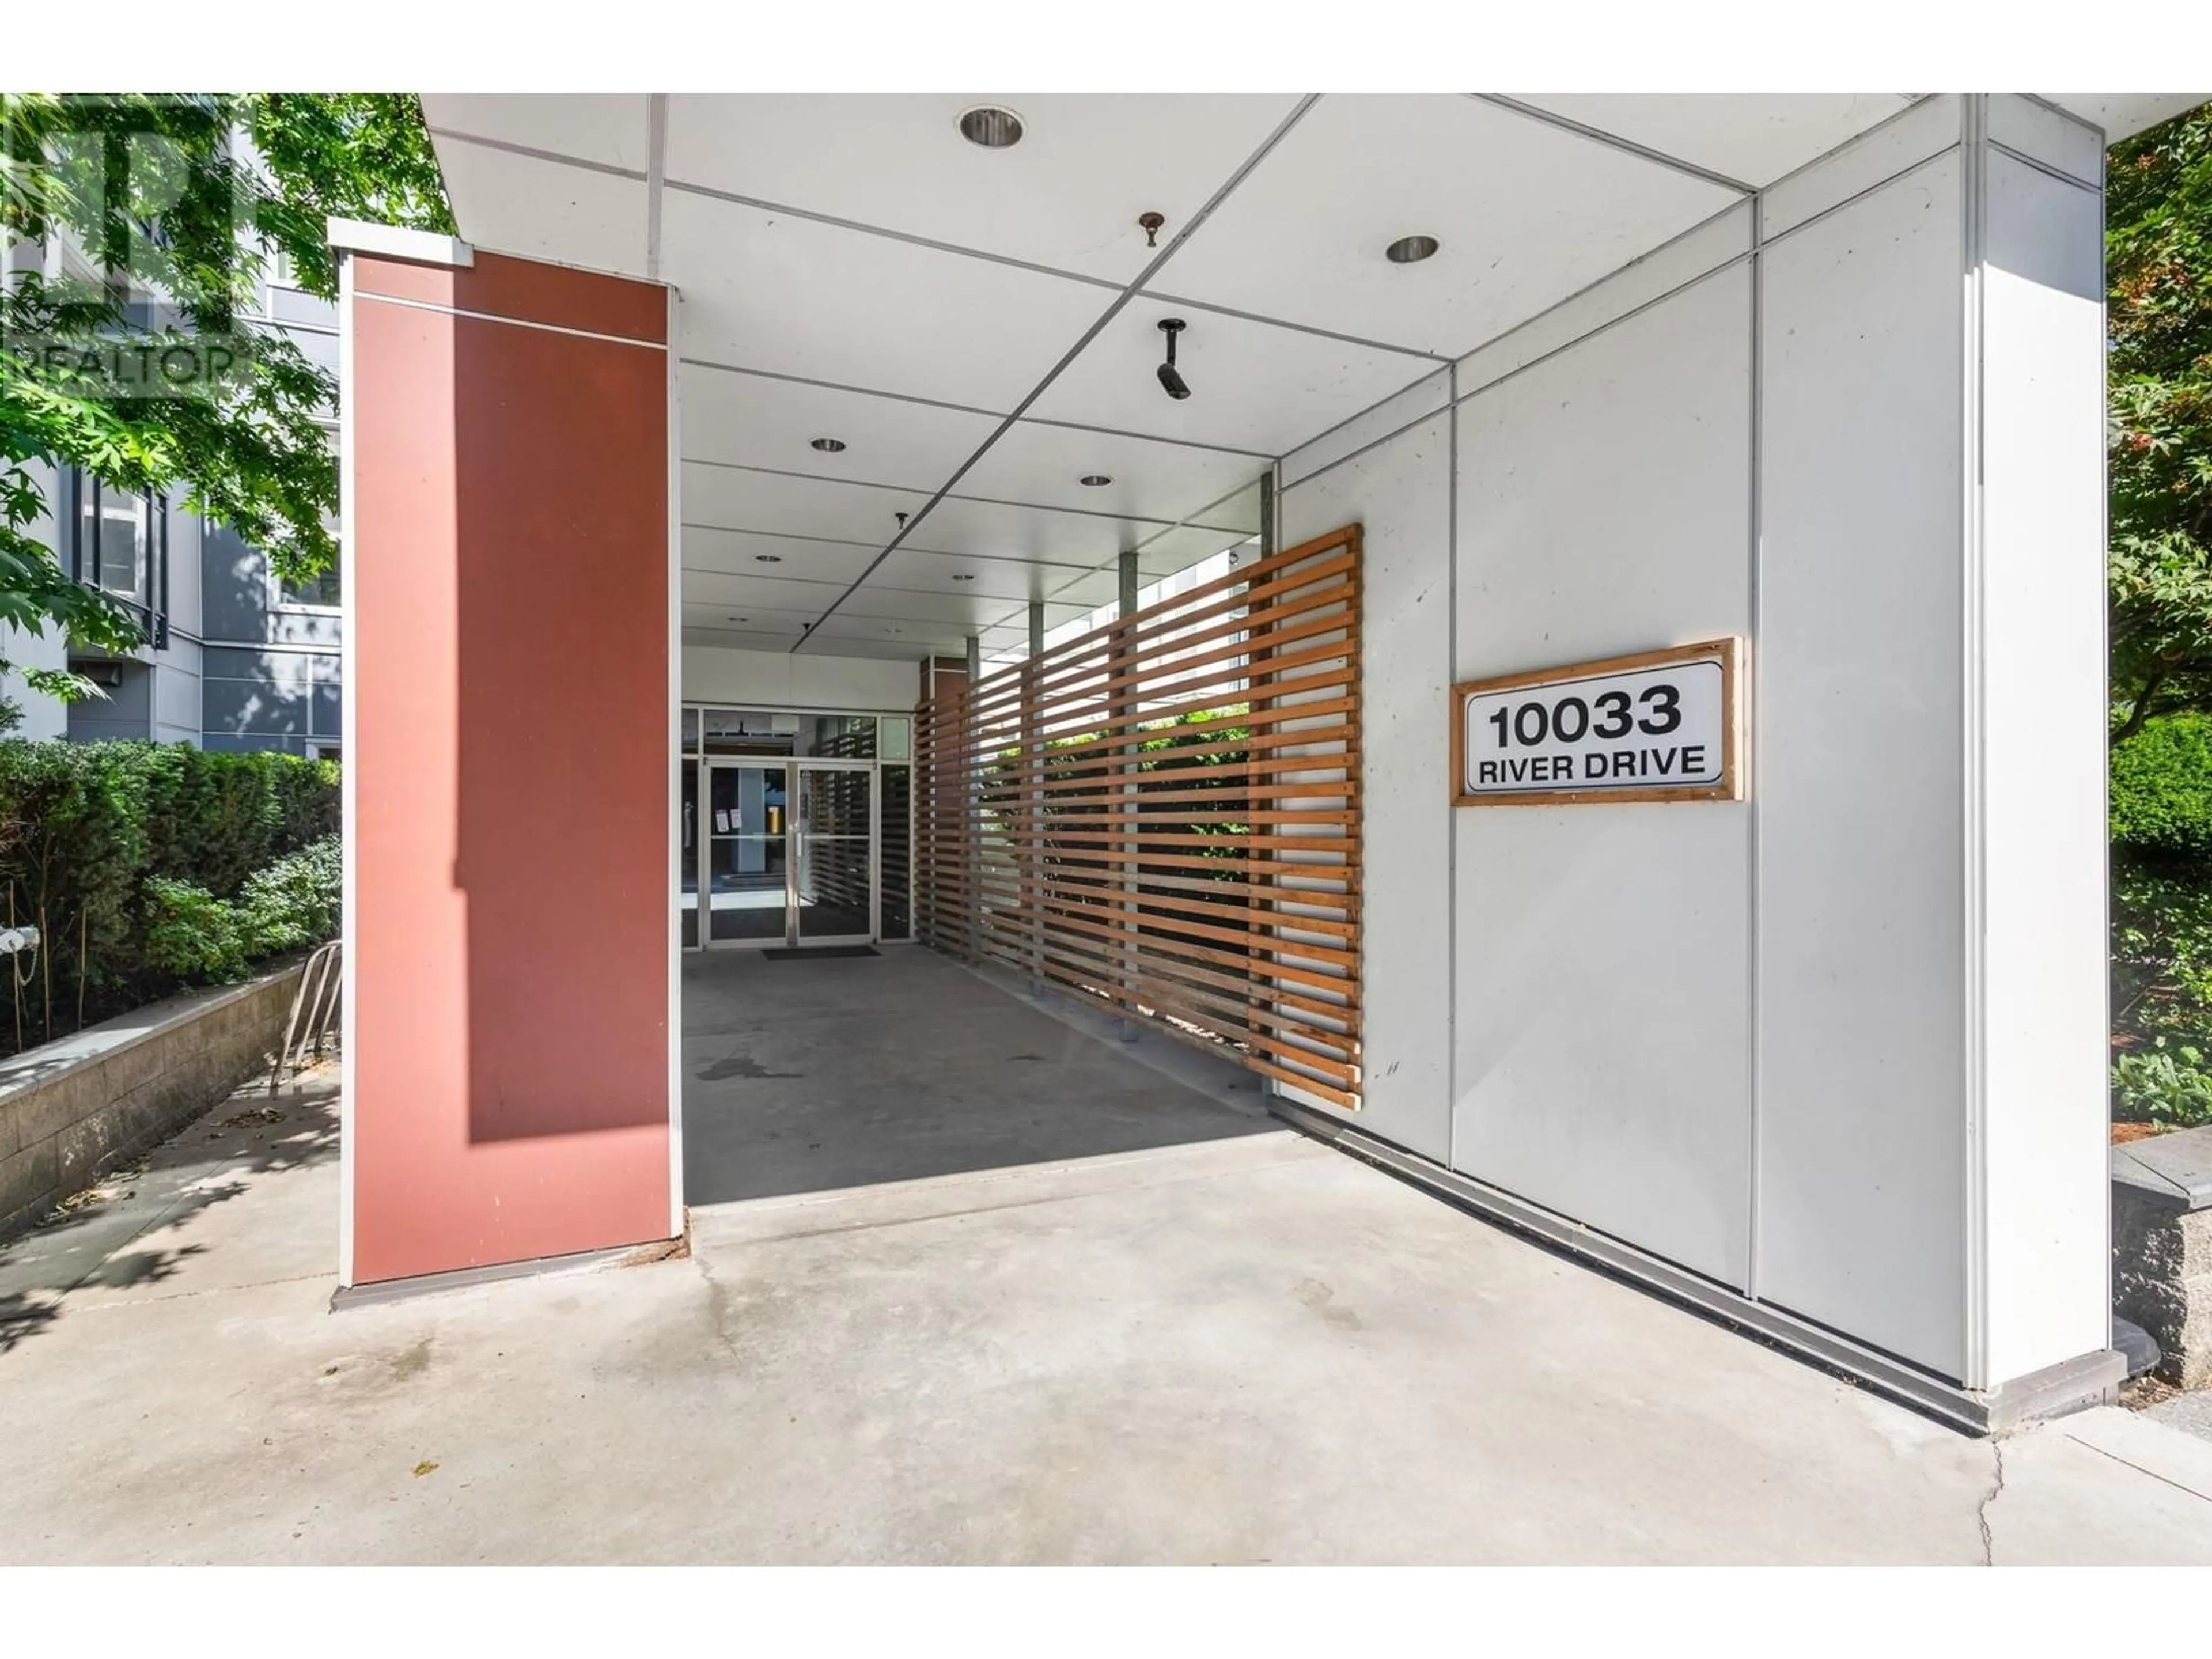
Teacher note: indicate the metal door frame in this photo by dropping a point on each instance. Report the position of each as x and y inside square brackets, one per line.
[707, 764]
[794, 792]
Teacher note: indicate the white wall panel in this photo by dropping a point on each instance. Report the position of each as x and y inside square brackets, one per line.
[1400, 494]
[1927, 129]
[1858, 773]
[1423, 397]
[779, 679]
[1725, 236]
[1602, 1034]
[2044, 764]
[2051, 136]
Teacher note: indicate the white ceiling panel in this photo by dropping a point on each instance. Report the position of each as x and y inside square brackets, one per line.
[736, 499]
[1752, 138]
[1067, 196]
[1525, 213]
[742, 554]
[612, 128]
[891, 649]
[1045, 465]
[1253, 386]
[1240, 512]
[801, 596]
[2123, 114]
[787, 625]
[509, 203]
[736, 639]
[1006, 580]
[1015, 533]
[914, 632]
[959, 608]
[764, 290]
[1179, 550]
[757, 422]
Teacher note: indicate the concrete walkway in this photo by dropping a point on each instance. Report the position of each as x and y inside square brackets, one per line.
[1225, 1346]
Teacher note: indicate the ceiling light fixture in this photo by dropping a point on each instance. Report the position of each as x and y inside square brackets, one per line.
[1410, 250]
[767, 558]
[1170, 377]
[830, 445]
[1093, 481]
[991, 126]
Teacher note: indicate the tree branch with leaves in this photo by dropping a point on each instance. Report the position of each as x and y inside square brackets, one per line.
[2158, 216]
[181, 197]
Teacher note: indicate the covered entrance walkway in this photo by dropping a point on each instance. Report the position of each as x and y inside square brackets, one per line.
[805, 1077]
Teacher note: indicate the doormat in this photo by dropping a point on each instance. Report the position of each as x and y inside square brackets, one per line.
[805, 952]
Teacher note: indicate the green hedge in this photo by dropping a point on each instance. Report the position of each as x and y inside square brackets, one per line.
[2162, 795]
[88, 832]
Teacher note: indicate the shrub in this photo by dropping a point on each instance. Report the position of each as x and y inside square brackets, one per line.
[191, 936]
[2167, 1083]
[294, 903]
[85, 827]
[2161, 792]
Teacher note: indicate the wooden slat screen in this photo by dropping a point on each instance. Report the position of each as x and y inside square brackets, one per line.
[1164, 815]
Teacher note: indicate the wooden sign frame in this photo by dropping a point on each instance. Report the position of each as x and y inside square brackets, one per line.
[1729, 652]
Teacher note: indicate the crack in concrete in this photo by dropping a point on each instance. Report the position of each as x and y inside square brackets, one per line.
[1982, 1510]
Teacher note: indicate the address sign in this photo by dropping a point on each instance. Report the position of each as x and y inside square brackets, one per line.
[1661, 725]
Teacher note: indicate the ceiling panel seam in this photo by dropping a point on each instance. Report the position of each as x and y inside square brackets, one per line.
[1120, 303]
[1613, 140]
[1360, 341]
[934, 552]
[980, 501]
[971, 408]
[1186, 523]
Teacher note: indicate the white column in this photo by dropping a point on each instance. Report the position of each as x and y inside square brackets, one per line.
[1930, 756]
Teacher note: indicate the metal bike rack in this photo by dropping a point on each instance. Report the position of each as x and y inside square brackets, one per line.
[312, 1021]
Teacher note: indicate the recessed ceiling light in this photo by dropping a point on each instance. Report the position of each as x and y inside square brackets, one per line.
[830, 445]
[1410, 250]
[767, 558]
[1095, 480]
[991, 126]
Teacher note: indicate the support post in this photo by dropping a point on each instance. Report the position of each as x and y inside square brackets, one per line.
[1124, 713]
[971, 810]
[1030, 859]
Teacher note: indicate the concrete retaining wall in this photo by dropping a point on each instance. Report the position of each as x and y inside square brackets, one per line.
[2162, 1247]
[73, 1107]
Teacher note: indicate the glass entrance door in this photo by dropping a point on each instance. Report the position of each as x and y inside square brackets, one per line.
[833, 882]
[746, 881]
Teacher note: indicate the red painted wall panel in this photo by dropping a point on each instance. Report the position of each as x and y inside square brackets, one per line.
[510, 944]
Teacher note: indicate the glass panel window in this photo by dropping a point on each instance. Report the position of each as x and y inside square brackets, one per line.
[120, 546]
[319, 589]
[842, 737]
[118, 526]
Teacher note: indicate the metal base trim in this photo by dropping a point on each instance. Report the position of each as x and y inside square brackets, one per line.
[2089, 1379]
[462, 1279]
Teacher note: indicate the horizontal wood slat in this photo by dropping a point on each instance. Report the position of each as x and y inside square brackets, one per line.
[1165, 815]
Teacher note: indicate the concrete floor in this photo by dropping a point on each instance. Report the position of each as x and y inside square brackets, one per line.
[1134, 1331]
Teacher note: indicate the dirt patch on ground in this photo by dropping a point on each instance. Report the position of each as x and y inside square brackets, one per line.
[2123, 1133]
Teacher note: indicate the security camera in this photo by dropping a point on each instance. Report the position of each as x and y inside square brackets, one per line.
[1171, 379]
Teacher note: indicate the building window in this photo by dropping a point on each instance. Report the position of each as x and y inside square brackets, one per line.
[320, 590]
[120, 545]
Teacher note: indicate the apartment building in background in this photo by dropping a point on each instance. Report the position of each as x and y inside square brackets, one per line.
[234, 657]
